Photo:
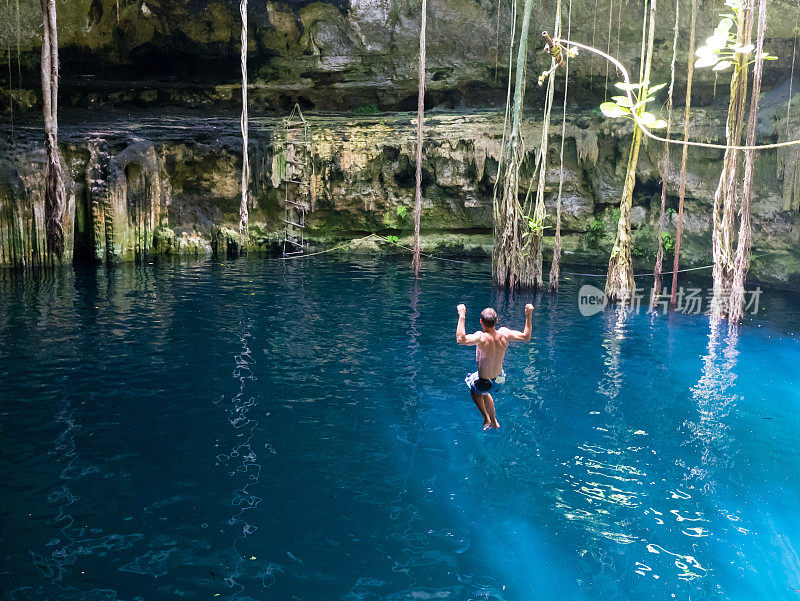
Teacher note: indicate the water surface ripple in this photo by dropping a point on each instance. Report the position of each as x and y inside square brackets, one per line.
[300, 430]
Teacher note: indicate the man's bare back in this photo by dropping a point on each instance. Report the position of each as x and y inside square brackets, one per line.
[491, 343]
[490, 352]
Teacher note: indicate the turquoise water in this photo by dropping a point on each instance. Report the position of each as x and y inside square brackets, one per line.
[301, 430]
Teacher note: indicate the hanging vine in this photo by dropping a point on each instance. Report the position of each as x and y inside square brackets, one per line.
[243, 213]
[723, 214]
[10, 93]
[415, 262]
[619, 281]
[742, 261]
[532, 276]
[608, 45]
[19, 48]
[508, 252]
[673, 299]
[656, 291]
[54, 196]
[555, 266]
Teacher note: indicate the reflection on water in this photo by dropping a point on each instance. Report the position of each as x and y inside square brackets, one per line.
[266, 429]
[715, 401]
[242, 466]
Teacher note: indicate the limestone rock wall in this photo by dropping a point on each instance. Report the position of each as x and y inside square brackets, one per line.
[148, 186]
[22, 230]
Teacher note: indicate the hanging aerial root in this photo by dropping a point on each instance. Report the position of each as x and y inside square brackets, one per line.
[570, 47]
[558, 53]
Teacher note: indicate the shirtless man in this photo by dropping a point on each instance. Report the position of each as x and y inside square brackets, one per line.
[492, 344]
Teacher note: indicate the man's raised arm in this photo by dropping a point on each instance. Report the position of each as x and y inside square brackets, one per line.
[525, 335]
[461, 335]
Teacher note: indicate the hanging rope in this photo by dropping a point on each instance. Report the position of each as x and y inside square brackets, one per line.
[627, 79]
[555, 266]
[648, 274]
[687, 111]
[665, 166]
[243, 215]
[349, 243]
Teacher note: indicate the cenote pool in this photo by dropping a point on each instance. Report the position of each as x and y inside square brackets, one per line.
[301, 430]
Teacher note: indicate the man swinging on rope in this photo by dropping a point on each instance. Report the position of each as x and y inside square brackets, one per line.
[492, 344]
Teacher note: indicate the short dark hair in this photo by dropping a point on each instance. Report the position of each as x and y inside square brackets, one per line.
[489, 317]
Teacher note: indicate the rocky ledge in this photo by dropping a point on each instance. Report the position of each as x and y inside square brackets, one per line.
[148, 185]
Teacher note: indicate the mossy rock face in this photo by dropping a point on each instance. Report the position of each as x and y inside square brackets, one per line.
[164, 241]
[227, 242]
[338, 55]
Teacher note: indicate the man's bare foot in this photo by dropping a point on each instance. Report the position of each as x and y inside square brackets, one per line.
[494, 424]
[486, 425]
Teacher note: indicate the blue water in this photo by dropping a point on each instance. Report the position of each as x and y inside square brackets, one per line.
[301, 430]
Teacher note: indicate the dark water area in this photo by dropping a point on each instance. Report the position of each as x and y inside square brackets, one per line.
[301, 430]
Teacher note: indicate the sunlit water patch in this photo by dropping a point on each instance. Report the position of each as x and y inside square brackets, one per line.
[277, 430]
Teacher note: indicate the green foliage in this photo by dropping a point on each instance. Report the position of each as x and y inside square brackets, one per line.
[623, 107]
[393, 239]
[617, 213]
[595, 231]
[668, 241]
[367, 109]
[721, 51]
[669, 213]
[401, 212]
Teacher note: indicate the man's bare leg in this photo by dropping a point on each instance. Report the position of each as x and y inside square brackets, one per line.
[478, 399]
[488, 404]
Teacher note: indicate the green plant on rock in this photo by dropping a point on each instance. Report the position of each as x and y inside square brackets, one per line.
[402, 212]
[595, 230]
[367, 109]
[668, 241]
[392, 239]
